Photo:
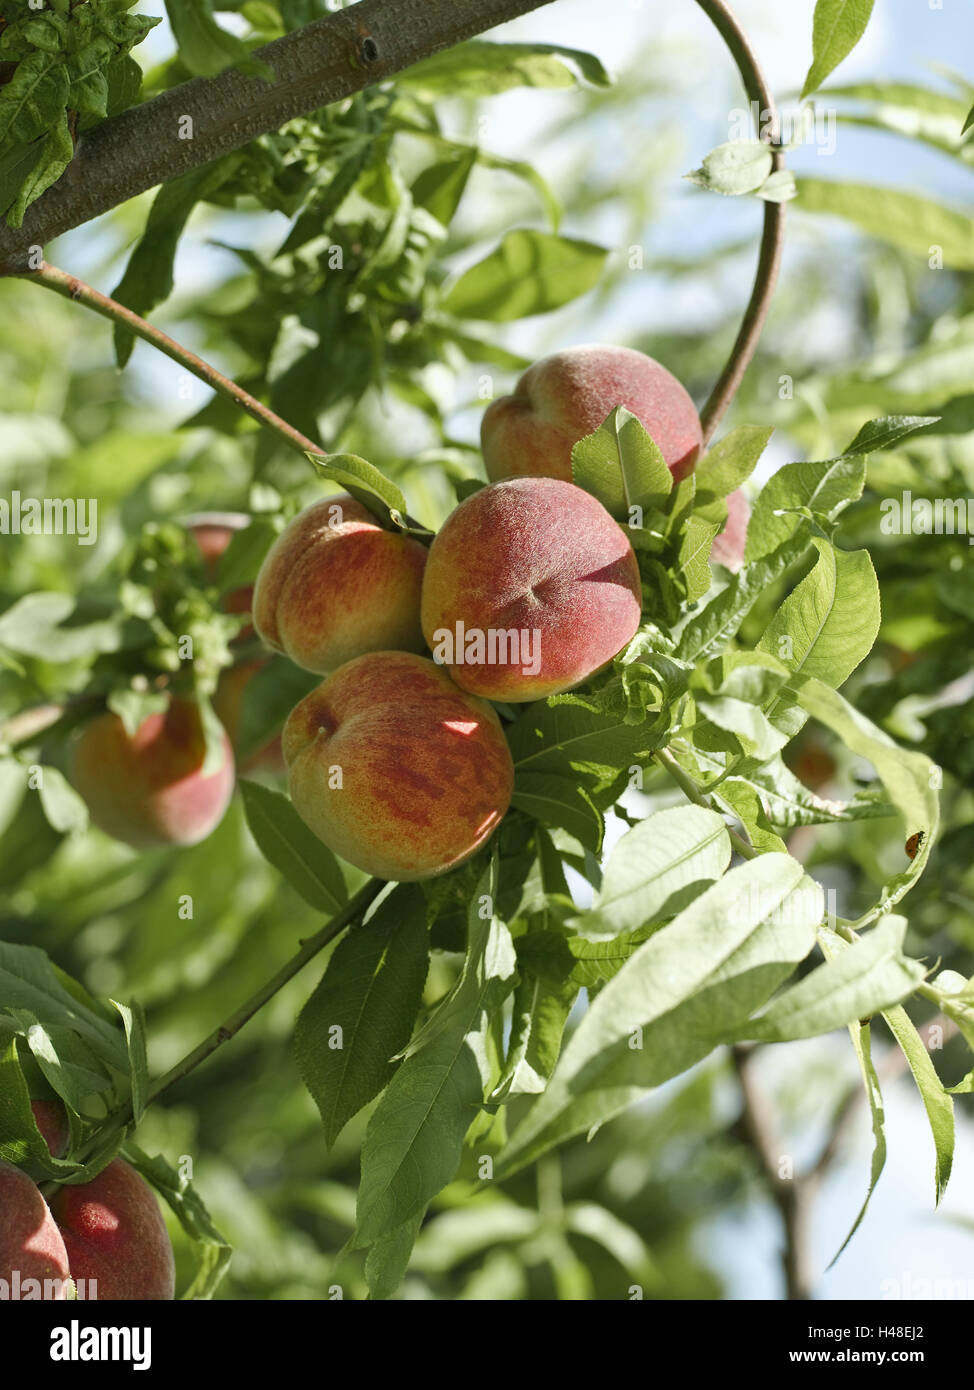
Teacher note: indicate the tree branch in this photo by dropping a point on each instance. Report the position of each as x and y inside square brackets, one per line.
[350, 915]
[773, 234]
[198, 121]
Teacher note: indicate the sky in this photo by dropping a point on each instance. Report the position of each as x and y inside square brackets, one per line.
[901, 1239]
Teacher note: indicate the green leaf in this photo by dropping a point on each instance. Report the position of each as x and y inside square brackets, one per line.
[937, 1103]
[367, 484]
[884, 432]
[29, 981]
[21, 1142]
[621, 465]
[822, 489]
[64, 808]
[148, 277]
[862, 1042]
[658, 867]
[529, 273]
[665, 1009]
[559, 801]
[836, 29]
[286, 842]
[558, 738]
[730, 462]
[388, 1257]
[872, 975]
[204, 47]
[133, 1019]
[903, 219]
[439, 187]
[828, 624]
[538, 1017]
[210, 1248]
[905, 774]
[415, 1135]
[739, 166]
[482, 68]
[363, 1011]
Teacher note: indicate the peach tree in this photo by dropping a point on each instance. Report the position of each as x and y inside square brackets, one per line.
[610, 868]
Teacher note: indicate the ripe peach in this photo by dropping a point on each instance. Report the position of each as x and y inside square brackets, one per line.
[335, 585]
[395, 769]
[566, 396]
[213, 532]
[31, 1246]
[540, 570]
[149, 789]
[728, 546]
[114, 1233]
[228, 706]
[51, 1119]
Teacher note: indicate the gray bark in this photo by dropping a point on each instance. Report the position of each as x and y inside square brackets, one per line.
[327, 60]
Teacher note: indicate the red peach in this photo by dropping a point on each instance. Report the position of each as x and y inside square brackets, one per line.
[335, 584]
[51, 1119]
[540, 561]
[566, 396]
[114, 1234]
[149, 788]
[213, 532]
[228, 706]
[728, 546]
[31, 1246]
[395, 769]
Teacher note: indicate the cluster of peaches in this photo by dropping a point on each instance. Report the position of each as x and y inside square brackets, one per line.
[106, 1235]
[396, 761]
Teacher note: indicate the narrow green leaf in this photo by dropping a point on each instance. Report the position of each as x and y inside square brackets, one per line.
[287, 843]
[528, 273]
[906, 220]
[836, 29]
[364, 1009]
[937, 1103]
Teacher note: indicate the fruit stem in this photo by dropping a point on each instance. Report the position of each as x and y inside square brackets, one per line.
[773, 234]
[70, 287]
[350, 915]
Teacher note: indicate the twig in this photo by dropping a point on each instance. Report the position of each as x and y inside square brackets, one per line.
[773, 234]
[689, 787]
[350, 915]
[70, 287]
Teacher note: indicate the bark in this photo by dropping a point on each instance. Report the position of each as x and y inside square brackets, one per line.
[329, 59]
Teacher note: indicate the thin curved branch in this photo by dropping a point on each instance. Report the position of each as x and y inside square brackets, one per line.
[773, 234]
[198, 121]
[70, 287]
[350, 916]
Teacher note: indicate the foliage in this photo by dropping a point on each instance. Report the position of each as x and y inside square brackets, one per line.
[493, 1019]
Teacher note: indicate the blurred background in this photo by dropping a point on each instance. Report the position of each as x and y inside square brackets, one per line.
[668, 1196]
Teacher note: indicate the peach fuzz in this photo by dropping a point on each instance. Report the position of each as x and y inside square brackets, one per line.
[335, 585]
[564, 397]
[31, 1246]
[539, 558]
[395, 769]
[114, 1233]
[149, 789]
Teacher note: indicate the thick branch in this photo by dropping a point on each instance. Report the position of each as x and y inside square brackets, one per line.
[198, 121]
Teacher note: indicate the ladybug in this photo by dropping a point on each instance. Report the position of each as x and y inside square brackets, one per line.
[914, 843]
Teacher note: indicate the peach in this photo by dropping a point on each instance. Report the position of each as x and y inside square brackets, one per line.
[566, 396]
[728, 546]
[395, 769]
[335, 585]
[213, 532]
[114, 1233]
[542, 573]
[51, 1119]
[149, 789]
[228, 706]
[31, 1246]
